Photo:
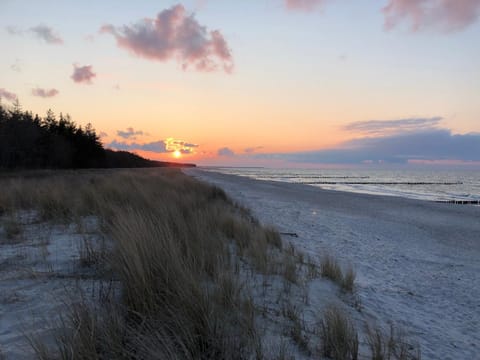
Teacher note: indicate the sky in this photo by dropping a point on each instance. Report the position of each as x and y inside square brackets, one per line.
[280, 83]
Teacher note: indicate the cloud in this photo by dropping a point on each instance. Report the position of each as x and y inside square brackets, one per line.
[446, 15]
[130, 133]
[13, 30]
[384, 127]
[83, 74]
[16, 66]
[168, 145]
[46, 34]
[4, 94]
[44, 93]
[155, 146]
[251, 150]
[174, 34]
[424, 145]
[225, 151]
[180, 145]
[304, 5]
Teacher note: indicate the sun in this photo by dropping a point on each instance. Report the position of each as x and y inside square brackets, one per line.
[177, 154]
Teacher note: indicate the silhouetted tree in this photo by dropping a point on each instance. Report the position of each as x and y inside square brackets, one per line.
[30, 142]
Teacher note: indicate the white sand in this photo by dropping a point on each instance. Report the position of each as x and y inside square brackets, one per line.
[39, 274]
[417, 262]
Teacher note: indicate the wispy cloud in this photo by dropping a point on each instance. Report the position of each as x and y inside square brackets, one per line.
[168, 145]
[446, 15]
[16, 66]
[175, 34]
[304, 5]
[4, 94]
[83, 74]
[182, 146]
[46, 34]
[45, 93]
[13, 30]
[129, 133]
[154, 146]
[251, 150]
[384, 127]
[225, 151]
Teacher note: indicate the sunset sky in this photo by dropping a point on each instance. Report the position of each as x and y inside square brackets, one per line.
[255, 82]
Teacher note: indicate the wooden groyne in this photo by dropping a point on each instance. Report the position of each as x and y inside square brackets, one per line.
[379, 183]
[460, 202]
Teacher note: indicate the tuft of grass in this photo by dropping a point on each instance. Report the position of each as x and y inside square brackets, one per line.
[391, 346]
[273, 237]
[330, 268]
[91, 252]
[297, 327]
[290, 269]
[312, 271]
[348, 280]
[339, 338]
[12, 230]
[379, 346]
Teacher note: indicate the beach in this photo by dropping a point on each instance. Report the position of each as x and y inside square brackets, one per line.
[417, 262]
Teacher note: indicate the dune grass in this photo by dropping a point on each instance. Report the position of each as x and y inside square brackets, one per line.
[176, 244]
[12, 230]
[338, 334]
[391, 345]
[331, 269]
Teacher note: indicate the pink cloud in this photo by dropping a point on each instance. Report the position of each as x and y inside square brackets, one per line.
[446, 15]
[303, 4]
[175, 34]
[44, 93]
[83, 74]
[7, 95]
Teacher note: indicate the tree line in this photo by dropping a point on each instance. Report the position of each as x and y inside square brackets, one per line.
[28, 141]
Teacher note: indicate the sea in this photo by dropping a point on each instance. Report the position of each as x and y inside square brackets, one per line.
[456, 186]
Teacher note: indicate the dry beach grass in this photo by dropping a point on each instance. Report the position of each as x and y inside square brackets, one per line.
[181, 271]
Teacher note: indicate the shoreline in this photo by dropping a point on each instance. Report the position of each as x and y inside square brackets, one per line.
[416, 260]
[467, 194]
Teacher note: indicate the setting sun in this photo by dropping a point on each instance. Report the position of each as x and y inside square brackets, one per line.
[177, 154]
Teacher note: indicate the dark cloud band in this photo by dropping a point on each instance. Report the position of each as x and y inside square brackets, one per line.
[423, 145]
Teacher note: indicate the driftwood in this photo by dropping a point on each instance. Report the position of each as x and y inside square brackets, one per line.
[289, 234]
